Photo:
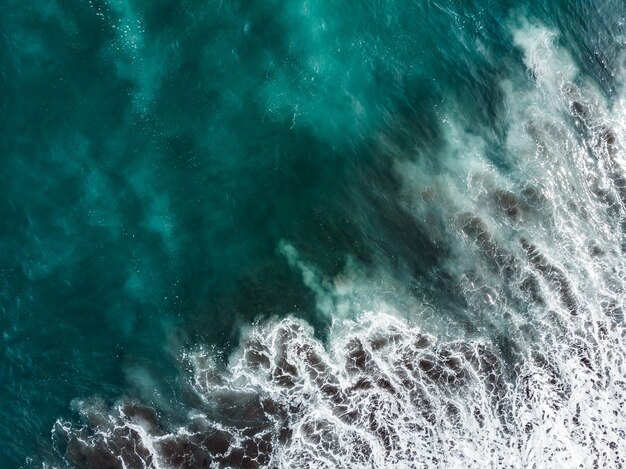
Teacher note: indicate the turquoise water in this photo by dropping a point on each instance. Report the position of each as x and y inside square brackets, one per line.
[179, 176]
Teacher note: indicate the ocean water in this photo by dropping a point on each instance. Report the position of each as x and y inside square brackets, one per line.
[386, 234]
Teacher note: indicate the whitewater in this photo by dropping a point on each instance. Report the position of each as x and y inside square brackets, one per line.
[526, 366]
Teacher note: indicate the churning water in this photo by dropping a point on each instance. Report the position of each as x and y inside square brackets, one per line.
[305, 234]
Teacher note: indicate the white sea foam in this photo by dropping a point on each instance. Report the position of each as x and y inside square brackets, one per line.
[537, 254]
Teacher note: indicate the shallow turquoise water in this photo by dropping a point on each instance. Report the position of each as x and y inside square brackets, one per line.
[156, 155]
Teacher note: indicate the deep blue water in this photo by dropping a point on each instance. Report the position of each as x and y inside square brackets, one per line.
[176, 173]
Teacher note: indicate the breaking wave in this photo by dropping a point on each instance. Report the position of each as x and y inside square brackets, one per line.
[527, 371]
